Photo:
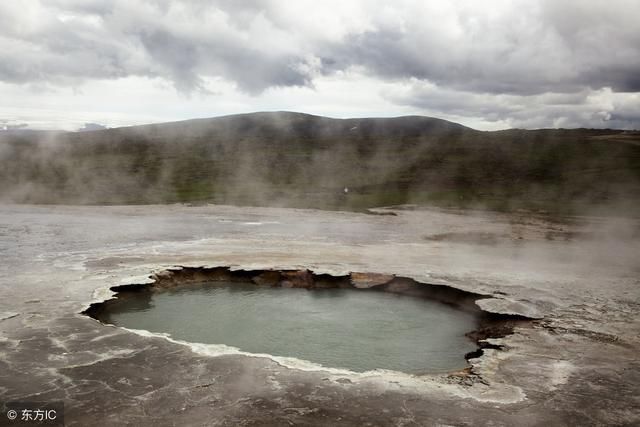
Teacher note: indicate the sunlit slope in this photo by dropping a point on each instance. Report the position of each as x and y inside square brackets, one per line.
[291, 159]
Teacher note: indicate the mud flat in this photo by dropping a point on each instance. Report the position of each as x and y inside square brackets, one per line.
[574, 362]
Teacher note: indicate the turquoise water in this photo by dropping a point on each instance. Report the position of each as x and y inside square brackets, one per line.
[339, 328]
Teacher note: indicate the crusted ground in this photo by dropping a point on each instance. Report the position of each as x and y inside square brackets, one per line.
[576, 366]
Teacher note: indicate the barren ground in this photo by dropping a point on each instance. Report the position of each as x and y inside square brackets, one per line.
[578, 365]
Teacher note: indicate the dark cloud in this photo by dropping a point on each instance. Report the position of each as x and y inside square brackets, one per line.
[184, 42]
[495, 61]
[540, 47]
[588, 108]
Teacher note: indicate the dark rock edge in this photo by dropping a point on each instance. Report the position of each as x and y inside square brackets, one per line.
[490, 325]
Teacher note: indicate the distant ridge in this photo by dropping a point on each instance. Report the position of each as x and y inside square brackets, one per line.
[294, 159]
[291, 115]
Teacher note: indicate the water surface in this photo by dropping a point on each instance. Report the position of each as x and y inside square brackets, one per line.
[359, 330]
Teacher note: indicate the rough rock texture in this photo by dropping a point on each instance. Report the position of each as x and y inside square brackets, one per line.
[297, 279]
[267, 278]
[577, 366]
[369, 280]
[507, 306]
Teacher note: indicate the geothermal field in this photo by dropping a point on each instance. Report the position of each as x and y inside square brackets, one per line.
[289, 269]
[541, 317]
[320, 213]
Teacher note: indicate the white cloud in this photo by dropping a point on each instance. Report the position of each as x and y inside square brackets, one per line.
[511, 63]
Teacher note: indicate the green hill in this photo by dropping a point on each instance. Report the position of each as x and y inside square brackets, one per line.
[300, 160]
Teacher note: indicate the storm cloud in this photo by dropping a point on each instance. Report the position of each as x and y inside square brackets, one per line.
[522, 63]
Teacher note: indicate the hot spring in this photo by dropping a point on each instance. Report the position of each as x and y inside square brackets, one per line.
[355, 329]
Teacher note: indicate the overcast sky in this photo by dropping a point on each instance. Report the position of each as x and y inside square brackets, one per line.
[486, 64]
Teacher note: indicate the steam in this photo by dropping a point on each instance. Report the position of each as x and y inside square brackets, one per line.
[297, 160]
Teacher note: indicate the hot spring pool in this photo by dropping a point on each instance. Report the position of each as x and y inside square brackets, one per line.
[359, 330]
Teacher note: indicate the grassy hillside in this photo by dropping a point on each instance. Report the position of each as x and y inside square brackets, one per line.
[291, 159]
